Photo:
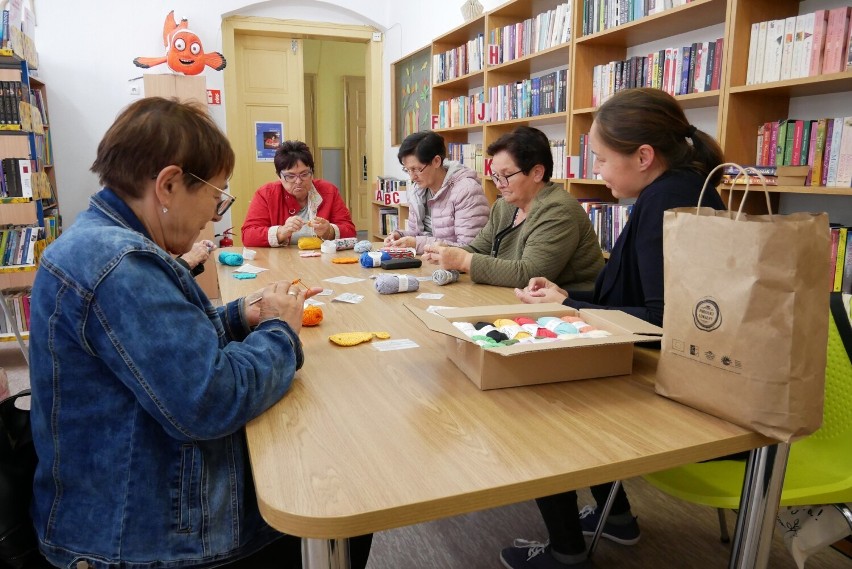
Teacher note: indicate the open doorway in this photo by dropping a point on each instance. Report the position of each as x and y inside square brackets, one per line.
[249, 77]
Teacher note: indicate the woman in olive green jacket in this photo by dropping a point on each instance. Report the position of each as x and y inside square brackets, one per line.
[536, 229]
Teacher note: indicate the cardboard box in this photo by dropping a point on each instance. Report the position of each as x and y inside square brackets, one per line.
[548, 362]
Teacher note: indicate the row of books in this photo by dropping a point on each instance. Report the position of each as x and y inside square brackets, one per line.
[388, 220]
[800, 46]
[466, 58]
[557, 150]
[389, 191]
[18, 306]
[585, 168]
[840, 260]
[11, 95]
[44, 148]
[599, 15]
[469, 154]
[37, 100]
[548, 29]
[694, 68]
[462, 110]
[608, 220]
[528, 98]
[17, 245]
[16, 177]
[823, 144]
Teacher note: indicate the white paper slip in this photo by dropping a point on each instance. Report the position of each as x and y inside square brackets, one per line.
[430, 295]
[325, 292]
[422, 279]
[349, 297]
[312, 302]
[343, 280]
[435, 309]
[388, 345]
[248, 268]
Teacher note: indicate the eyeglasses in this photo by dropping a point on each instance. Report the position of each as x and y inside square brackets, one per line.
[417, 171]
[290, 178]
[227, 199]
[502, 180]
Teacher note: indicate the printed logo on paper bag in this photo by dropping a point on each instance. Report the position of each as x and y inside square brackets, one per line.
[707, 316]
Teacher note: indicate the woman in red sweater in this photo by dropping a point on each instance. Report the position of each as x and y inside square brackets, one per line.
[297, 205]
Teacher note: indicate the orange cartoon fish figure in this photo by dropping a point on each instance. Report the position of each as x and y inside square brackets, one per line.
[184, 52]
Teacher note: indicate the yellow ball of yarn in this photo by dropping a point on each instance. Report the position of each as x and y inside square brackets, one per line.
[309, 243]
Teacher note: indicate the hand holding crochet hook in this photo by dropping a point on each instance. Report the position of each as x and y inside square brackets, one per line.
[284, 300]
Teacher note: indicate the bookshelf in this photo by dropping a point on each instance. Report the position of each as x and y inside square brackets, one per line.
[29, 210]
[737, 108]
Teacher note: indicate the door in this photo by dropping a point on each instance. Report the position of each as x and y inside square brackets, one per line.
[270, 89]
[357, 192]
[311, 120]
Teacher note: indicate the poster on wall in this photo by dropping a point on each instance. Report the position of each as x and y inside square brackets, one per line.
[267, 137]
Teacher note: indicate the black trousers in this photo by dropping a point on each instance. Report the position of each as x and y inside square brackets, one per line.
[562, 516]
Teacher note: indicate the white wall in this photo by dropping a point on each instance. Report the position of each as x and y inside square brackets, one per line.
[86, 51]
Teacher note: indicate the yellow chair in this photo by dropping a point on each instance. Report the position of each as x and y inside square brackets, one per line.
[819, 470]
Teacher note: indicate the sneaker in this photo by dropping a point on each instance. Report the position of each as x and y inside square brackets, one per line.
[535, 555]
[624, 534]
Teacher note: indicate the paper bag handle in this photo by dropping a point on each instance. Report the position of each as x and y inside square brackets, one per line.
[743, 170]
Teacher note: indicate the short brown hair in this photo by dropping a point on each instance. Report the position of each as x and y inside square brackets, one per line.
[291, 151]
[155, 132]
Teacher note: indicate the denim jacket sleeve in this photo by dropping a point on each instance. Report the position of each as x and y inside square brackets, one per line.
[167, 345]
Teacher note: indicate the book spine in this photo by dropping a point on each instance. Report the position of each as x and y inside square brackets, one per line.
[781, 141]
[846, 285]
[716, 80]
[812, 142]
[844, 156]
[834, 154]
[816, 171]
[818, 42]
[796, 150]
[752, 53]
[832, 258]
[789, 143]
[841, 258]
[787, 47]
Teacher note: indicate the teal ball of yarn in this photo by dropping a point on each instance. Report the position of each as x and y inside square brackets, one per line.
[229, 258]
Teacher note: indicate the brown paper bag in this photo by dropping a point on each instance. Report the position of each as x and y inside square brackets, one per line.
[745, 326]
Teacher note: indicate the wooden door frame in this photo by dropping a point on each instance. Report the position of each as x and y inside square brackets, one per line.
[346, 179]
[311, 123]
[233, 25]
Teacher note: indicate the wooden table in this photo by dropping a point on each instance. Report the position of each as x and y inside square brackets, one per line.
[369, 440]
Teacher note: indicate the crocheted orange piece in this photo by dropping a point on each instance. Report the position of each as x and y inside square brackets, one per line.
[344, 260]
[312, 315]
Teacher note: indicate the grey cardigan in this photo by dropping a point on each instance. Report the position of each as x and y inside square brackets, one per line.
[556, 241]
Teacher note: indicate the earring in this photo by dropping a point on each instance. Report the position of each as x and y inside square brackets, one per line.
[165, 210]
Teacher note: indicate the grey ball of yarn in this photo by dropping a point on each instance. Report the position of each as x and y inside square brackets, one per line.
[443, 277]
[363, 246]
[392, 284]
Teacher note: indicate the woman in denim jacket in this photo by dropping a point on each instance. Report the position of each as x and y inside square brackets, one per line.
[141, 388]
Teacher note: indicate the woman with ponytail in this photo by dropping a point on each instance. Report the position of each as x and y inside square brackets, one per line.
[645, 149]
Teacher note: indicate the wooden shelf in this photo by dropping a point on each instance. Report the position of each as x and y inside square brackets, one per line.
[697, 14]
[739, 109]
[13, 338]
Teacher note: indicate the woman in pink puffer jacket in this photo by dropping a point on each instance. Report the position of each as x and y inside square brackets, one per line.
[445, 199]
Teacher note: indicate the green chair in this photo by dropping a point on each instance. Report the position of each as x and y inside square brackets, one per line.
[819, 470]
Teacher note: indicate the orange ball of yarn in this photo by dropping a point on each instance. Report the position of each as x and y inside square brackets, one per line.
[311, 316]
